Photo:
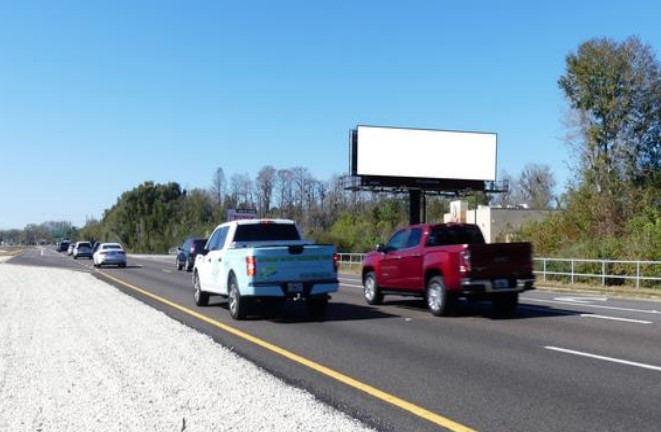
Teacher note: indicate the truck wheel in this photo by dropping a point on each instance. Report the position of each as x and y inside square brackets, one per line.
[237, 305]
[179, 266]
[317, 307]
[505, 304]
[188, 265]
[371, 290]
[201, 298]
[439, 302]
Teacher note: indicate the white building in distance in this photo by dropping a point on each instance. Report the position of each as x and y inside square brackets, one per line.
[498, 224]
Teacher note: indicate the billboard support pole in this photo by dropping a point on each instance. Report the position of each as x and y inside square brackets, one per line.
[423, 219]
[415, 197]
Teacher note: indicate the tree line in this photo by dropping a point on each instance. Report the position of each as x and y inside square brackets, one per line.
[156, 217]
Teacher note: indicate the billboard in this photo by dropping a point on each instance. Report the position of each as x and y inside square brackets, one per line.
[423, 154]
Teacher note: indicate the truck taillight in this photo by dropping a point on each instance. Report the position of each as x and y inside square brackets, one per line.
[336, 262]
[465, 262]
[251, 266]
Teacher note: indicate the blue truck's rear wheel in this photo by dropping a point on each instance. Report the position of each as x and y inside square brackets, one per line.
[237, 304]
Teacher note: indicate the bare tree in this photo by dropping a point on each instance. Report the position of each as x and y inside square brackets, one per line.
[285, 191]
[265, 182]
[218, 186]
[302, 179]
[242, 190]
[535, 186]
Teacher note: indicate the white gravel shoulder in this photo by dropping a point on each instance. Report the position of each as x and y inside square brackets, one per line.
[76, 354]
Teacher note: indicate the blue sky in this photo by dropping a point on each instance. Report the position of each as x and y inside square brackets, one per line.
[97, 97]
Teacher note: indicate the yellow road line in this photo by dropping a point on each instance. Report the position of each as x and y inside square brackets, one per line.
[373, 391]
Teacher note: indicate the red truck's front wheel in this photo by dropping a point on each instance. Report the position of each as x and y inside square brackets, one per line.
[439, 301]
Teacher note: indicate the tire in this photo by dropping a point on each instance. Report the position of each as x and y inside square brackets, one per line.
[439, 302]
[237, 305]
[317, 307]
[179, 265]
[201, 297]
[187, 265]
[371, 290]
[505, 304]
[75, 257]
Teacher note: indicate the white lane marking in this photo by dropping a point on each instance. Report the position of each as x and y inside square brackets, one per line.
[42, 252]
[648, 311]
[616, 319]
[351, 285]
[152, 257]
[610, 359]
[581, 300]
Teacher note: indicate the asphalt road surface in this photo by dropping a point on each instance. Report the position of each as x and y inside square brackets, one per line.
[564, 362]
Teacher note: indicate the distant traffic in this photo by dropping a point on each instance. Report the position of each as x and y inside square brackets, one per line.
[102, 254]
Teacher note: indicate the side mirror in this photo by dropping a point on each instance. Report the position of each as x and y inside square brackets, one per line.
[203, 252]
[380, 248]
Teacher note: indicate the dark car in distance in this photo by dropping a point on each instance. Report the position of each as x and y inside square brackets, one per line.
[63, 246]
[187, 251]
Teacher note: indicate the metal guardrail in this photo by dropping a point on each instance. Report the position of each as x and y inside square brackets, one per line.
[572, 270]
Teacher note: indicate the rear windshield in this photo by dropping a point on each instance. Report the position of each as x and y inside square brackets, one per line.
[266, 232]
[112, 246]
[84, 244]
[455, 235]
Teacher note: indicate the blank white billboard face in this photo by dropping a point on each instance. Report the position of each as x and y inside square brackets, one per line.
[418, 153]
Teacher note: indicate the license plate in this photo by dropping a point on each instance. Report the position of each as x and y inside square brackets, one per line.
[501, 283]
[295, 287]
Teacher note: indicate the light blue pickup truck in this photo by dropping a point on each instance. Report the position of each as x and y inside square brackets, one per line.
[265, 262]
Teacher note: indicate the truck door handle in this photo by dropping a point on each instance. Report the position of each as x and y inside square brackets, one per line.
[220, 259]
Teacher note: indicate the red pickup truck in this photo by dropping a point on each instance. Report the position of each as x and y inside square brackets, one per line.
[445, 262]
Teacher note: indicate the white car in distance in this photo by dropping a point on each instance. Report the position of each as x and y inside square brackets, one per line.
[109, 254]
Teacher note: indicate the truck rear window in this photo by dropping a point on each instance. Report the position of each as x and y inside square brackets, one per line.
[266, 232]
[455, 235]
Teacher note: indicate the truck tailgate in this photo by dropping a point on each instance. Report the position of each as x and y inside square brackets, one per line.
[294, 263]
[500, 260]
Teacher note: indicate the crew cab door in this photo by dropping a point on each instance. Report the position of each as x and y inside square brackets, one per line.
[391, 275]
[410, 261]
[212, 271]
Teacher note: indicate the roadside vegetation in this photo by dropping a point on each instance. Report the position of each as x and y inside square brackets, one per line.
[610, 210]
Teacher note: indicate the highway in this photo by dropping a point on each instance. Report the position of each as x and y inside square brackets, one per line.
[564, 362]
